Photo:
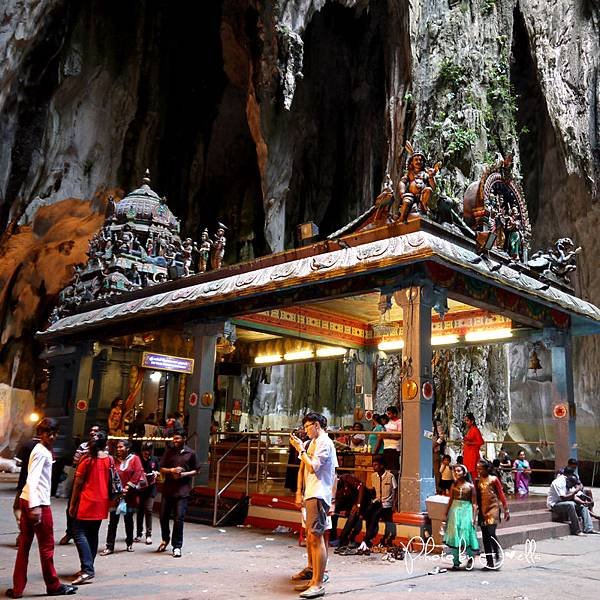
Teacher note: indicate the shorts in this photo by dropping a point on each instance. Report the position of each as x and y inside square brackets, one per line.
[446, 484]
[328, 523]
[316, 515]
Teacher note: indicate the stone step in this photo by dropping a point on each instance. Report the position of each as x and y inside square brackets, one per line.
[526, 504]
[519, 534]
[526, 517]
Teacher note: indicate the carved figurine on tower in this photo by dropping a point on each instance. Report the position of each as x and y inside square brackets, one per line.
[204, 252]
[219, 246]
[417, 184]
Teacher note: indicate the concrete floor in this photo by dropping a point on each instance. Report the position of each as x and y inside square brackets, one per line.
[229, 563]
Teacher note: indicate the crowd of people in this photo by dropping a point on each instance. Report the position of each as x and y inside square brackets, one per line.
[108, 485]
[104, 487]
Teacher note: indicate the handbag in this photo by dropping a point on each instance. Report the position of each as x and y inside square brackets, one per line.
[115, 488]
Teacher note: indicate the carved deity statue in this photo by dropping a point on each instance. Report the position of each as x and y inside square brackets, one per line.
[417, 184]
[219, 246]
[513, 230]
[204, 251]
[187, 247]
[150, 245]
[126, 240]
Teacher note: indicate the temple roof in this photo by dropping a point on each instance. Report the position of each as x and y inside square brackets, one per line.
[145, 205]
[389, 257]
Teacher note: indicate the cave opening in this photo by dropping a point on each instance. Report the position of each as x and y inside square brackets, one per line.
[339, 118]
[532, 119]
[194, 107]
[25, 113]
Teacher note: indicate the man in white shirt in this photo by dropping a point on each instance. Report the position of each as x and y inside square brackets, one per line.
[319, 462]
[560, 502]
[36, 517]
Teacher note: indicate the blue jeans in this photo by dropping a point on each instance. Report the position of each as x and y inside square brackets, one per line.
[177, 506]
[85, 534]
[572, 511]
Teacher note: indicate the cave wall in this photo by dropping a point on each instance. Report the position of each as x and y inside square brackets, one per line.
[267, 114]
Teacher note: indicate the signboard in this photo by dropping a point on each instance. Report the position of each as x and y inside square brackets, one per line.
[163, 362]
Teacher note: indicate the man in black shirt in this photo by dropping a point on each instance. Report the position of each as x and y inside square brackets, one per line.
[178, 466]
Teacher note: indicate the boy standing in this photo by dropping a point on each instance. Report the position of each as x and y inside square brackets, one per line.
[36, 517]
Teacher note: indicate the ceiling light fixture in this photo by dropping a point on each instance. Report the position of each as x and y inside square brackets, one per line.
[298, 355]
[444, 340]
[391, 345]
[327, 351]
[485, 335]
[266, 359]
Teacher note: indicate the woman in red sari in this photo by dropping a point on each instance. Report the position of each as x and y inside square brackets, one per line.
[472, 442]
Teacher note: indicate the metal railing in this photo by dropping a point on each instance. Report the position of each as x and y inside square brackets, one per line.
[596, 461]
[262, 463]
[244, 469]
[264, 466]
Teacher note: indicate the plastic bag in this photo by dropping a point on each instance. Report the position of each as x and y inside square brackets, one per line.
[121, 507]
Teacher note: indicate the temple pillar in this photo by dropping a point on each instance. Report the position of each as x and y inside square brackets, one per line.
[83, 390]
[565, 439]
[201, 382]
[416, 481]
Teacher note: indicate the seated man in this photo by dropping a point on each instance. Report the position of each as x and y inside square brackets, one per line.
[560, 501]
[351, 501]
[384, 487]
[583, 495]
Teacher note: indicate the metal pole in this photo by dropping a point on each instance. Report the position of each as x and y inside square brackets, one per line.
[248, 465]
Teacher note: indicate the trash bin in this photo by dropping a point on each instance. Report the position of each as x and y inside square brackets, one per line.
[436, 509]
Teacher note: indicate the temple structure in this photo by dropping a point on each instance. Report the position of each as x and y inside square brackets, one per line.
[433, 271]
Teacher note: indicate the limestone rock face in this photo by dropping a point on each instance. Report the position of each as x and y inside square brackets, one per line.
[473, 380]
[269, 114]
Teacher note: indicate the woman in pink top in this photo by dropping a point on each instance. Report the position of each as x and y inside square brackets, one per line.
[89, 504]
[130, 470]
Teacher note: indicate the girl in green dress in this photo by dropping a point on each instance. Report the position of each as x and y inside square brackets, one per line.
[461, 518]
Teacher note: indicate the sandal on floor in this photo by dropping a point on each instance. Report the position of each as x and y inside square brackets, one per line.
[304, 575]
[162, 546]
[63, 590]
[82, 578]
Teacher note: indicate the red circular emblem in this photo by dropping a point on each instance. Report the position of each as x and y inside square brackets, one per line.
[560, 411]
[81, 405]
[369, 415]
[193, 400]
[427, 390]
